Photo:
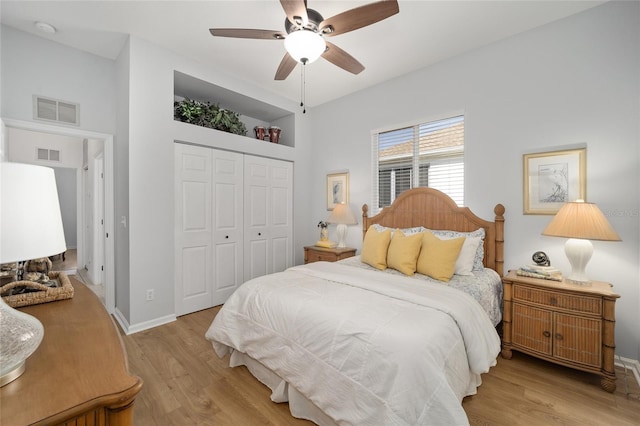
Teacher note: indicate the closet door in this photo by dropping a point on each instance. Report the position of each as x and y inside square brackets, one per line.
[268, 216]
[227, 224]
[193, 230]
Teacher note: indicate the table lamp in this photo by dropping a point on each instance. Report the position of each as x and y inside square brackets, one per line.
[580, 222]
[30, 228]
[342, 216]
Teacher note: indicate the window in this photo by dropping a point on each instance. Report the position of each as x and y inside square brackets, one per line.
[427, 154]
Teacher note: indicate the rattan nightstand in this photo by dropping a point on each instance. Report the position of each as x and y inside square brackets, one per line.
[568, 324]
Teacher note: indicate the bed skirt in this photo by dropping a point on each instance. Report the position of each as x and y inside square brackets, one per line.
[299, 406]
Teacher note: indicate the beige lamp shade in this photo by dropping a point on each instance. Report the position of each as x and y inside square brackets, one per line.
[582, 220]
[342, 216]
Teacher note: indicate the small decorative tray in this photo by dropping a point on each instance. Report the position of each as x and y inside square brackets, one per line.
[25, 293]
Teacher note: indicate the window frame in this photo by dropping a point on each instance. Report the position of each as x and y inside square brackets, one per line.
[447, 155]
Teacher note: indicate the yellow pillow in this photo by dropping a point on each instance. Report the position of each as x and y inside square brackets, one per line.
[374, 248]
[403, 252]
[438, 257]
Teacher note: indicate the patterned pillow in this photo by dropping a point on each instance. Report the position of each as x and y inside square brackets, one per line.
[405, 231]
[477, 261]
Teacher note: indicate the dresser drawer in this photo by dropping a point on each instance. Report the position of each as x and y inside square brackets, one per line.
[555, 299]
[314, 256]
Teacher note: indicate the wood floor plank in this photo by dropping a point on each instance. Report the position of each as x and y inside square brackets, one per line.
[185, 383]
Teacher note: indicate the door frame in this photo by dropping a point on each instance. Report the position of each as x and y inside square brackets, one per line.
[109, 197]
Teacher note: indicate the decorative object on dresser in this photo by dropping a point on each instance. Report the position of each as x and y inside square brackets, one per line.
[567, 324]
[327, 254]
[31, 232]
[552, 179]
[580, 222]
[342, 216]
[79, 374]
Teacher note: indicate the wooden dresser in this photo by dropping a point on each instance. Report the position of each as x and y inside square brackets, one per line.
[318, 254]
[79, 374]
[571, 325]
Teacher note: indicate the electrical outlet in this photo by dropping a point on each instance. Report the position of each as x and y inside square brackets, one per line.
[151, 294]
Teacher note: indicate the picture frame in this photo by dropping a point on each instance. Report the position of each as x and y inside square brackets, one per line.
[552, 179]
[337, 189]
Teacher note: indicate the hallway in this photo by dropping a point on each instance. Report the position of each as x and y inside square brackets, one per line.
[70, 267]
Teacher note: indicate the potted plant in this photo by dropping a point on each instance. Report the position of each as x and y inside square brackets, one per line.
[208, 115]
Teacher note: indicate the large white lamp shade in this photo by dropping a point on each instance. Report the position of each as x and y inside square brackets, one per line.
[30, 228]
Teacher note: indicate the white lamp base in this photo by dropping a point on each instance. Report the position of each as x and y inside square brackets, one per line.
[579, 253]
[341, 231]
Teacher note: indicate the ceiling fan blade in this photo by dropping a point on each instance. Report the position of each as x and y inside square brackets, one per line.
[286, 66]
[296, 9]
[248, 33]
[339, 57]
[359, 17]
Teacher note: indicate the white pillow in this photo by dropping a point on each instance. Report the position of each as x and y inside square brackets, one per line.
[464, 264]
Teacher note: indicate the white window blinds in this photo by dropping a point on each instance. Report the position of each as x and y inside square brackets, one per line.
[427, 154]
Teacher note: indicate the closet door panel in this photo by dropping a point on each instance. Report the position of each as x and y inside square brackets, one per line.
[256, 217]
[192, 232]
[228, 224]
[281, 207]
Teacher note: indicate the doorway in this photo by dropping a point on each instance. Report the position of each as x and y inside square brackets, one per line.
[108, 198]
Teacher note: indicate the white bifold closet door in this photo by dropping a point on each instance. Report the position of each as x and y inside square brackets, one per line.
[233, 222]
[209, 226]
[268, 207]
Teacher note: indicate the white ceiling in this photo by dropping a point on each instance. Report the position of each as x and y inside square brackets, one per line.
[423, 33]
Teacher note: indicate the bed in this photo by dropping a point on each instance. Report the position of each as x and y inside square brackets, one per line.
[346, 343]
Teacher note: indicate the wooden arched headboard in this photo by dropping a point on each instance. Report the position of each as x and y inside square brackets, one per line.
[433, 209]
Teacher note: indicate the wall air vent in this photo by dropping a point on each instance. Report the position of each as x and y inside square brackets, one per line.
[48, 154]
[56, 110]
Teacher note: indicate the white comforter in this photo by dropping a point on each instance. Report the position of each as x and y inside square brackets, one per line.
[362, 348]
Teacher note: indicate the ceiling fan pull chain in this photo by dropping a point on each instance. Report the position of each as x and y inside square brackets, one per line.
[303, 85]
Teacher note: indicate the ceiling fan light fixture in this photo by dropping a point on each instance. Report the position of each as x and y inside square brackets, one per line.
[305, 46]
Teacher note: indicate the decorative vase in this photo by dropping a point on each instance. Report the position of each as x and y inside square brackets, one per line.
[260, 132]
[324, 234]
[274, 134]
[20, 336]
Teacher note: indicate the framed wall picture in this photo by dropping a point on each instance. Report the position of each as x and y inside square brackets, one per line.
[337, 189]
[553, 178]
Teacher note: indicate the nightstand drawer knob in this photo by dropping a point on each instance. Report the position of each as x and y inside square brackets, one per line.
[546, 334]
[553, 301]
[559, 336]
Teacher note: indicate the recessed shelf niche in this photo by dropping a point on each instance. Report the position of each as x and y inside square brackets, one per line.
[252, 111]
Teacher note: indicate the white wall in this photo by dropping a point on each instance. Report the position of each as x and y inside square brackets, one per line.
[151, 134]
[572, 82]
[32, 65]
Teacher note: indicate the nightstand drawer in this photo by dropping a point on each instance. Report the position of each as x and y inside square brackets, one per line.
[320, 257]
[555, 299]
[321, 254]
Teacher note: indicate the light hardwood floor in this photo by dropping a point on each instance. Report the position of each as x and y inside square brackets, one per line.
[185, 383]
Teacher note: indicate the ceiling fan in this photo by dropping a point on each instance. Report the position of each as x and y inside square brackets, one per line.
[305, 30]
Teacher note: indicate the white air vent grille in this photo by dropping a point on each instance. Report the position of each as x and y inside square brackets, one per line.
[55, 110]
[48, 154]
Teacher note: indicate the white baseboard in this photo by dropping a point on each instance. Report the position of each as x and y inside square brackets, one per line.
[632, 365]
[135, 328]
